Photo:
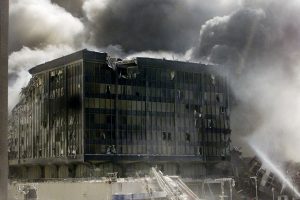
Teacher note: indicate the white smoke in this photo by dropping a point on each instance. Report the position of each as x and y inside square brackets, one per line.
[21, 61]
[160, 55]
[266, 92]
[275, 119]
[39, 31]
[40, 23]
[260, 45]
[92, 8]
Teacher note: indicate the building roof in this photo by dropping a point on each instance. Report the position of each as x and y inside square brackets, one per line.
[139, 61]
[82, 54]
[175, 65]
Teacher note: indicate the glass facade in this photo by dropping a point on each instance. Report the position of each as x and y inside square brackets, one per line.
[47, 122]
[83, 109]
[155, 111]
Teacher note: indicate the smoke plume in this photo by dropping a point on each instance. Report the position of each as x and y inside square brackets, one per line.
[119, 27]
[39, 23]
[21, 61]
[147, 25]
[259, 44]
[258, 41]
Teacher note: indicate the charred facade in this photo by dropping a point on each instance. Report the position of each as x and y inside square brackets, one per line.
[89, 108]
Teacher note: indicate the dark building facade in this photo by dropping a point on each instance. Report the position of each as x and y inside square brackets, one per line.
[87, 111]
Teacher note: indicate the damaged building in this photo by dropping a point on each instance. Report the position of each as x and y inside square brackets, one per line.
[87, 114]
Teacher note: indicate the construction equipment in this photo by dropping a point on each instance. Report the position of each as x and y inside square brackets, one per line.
[174, 187]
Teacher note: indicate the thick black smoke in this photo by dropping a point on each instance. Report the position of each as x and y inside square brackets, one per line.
[72, 6]
[169, 25]
[147, 25]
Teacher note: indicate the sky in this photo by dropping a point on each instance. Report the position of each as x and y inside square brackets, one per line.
[258, 41]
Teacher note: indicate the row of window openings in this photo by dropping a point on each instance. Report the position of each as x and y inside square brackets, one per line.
[110, 119]
[180, 95]
[166, 136]
[40, 151]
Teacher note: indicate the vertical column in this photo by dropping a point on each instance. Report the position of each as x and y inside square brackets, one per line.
[3, 98]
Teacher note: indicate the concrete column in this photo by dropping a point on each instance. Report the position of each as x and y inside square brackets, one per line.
[23, 172]
[63, 171]
[82, 171]
[3, 98]
[50, 171]
[34, 172]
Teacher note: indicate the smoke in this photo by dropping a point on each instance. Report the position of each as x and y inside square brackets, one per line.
[72, 6]
[39, 28]
[259, 43]
[236, 38]
[21, 61]
[148, 25]
[38, 23]
[257, 40]
[39, 31]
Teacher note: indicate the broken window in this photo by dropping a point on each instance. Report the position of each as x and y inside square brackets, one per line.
[110, 119]
[217, 98]
[187, 106]
[107, 89]
[124, 120]
[178, 94]
[113, 149]
[200, 151]
[210, 123]
[169, 136]
[172, 75]
[187, 137]
[102, 136]
[123, 90]
[213, 79]
[164, 135]
[222, 109]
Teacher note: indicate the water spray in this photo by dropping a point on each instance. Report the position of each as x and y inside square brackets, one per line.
[266, 160]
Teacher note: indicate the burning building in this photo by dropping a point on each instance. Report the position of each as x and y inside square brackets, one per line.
[86, 114]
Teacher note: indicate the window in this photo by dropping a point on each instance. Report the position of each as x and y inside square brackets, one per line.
[187, 137]
[213, 79]
[217, 98]
[164, 135]
[103, 136]
[169, 136]
[210, 123]
[222, 110]
[200, 151]
[172, 75]
[124, 120]
[107, 89]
